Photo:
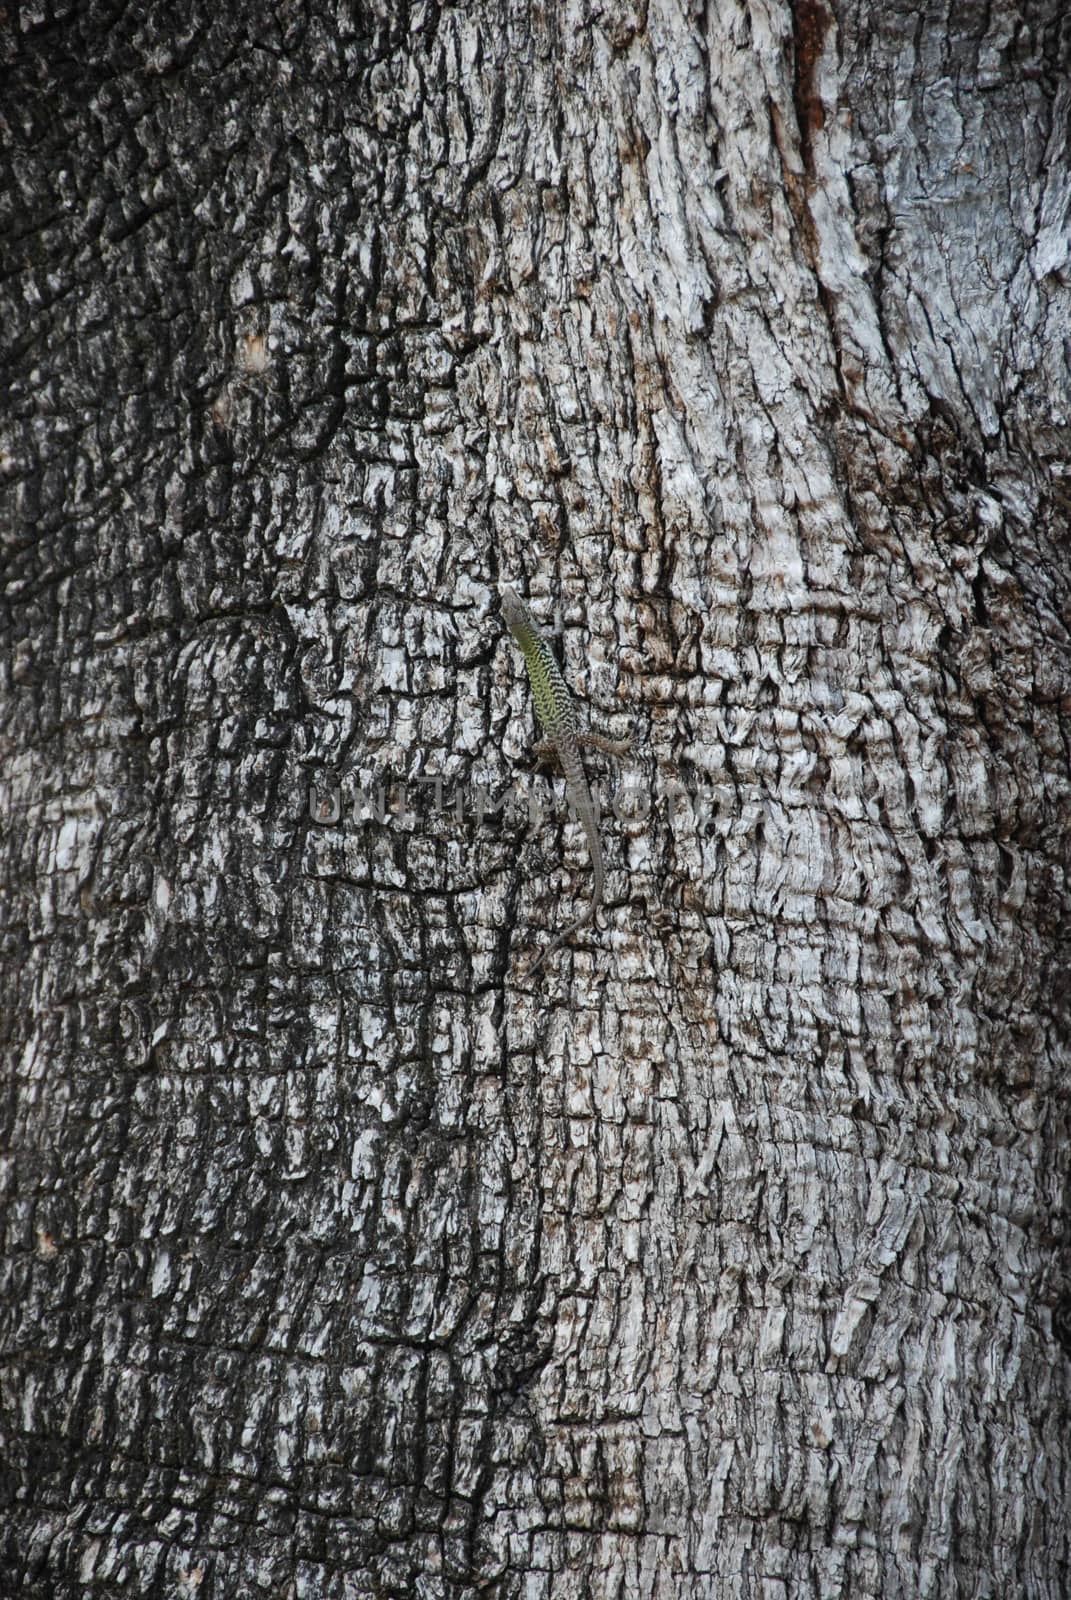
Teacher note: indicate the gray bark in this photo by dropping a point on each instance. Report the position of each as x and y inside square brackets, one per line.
[732, 1260]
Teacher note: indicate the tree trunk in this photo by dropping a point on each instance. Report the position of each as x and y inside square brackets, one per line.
[728, 1257]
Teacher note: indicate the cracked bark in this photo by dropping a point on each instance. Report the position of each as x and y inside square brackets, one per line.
[733, 1262]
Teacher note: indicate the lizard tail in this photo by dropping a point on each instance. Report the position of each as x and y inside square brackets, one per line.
[587, 817]
[582, 921]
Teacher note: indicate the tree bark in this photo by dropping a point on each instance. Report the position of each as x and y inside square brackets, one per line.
[729, 1259]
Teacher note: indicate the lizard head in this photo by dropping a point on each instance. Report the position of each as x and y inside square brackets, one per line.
[513, 608]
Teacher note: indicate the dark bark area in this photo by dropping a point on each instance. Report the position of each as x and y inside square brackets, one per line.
[734, 1260]
[258, 1339]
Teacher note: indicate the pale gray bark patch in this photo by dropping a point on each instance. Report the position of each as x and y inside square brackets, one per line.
[733, 1261]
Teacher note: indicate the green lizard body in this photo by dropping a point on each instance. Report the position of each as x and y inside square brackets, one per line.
[554, 707]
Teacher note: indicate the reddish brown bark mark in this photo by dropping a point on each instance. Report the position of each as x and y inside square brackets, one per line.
[810, 25]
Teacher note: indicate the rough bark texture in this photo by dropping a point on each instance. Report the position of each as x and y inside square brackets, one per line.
[733, 1261]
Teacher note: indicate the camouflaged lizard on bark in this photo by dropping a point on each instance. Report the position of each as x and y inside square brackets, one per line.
[557, 714]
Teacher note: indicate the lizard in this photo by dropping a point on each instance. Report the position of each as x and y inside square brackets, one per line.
[557, 714]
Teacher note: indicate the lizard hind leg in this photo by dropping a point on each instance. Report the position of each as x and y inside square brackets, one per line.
[609, 747]
[546, 754]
